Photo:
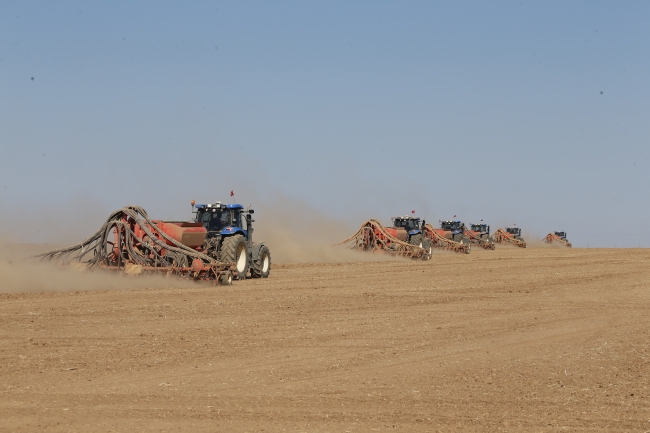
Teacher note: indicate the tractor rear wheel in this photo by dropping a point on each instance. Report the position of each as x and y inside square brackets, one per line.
[262, 266]
[234, 250]
[426, 244]
[416, 240]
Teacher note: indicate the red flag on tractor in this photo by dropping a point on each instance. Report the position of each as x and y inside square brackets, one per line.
[232, 193]
[413, 211]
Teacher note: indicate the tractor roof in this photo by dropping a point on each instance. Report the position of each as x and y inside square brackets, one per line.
[219, 205]
[406, 217]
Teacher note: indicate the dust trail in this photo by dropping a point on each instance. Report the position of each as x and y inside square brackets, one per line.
[63, 224]
[297, 233]
[19, 274]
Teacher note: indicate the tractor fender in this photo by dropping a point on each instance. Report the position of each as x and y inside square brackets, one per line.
[256, 249]
[414, 232]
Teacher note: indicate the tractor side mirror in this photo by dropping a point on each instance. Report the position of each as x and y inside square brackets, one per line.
[251, 211]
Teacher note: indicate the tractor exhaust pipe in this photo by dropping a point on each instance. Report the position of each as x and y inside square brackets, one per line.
[249, 228]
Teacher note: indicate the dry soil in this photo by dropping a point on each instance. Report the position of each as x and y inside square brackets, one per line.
[542, 339]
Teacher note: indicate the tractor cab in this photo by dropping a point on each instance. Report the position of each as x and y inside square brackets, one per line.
[410, 224]
[221, 219]
[455, 226]
[561, 235]
[516, 231]
[481, 228]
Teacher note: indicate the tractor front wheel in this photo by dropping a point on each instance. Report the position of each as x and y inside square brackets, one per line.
[234, 250]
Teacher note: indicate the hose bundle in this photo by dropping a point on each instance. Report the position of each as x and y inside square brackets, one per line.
[153, 251]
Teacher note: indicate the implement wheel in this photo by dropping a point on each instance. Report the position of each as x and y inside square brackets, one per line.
[226, 279]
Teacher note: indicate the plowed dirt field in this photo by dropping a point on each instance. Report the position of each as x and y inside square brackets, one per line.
[542, 339]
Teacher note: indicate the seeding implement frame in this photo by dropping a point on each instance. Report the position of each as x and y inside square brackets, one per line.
[552, 237]
[488, 244]
[501, 236]
[439, 241]
[130, 242]
[372, 236]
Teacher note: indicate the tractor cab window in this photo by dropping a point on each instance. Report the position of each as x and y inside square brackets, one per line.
[215, 219]
[412, 224]
[408, 224]
[450, 225]
[236, 218]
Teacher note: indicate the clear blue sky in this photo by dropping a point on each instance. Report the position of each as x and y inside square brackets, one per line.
[535, 113]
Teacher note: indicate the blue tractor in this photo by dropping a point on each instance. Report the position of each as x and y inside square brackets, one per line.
[230, 238]
[455, 230]
[515, 232]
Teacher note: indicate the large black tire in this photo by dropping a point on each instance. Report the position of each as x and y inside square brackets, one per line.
[261, 267]
[234, 250]
[458, 237]
[416, 240]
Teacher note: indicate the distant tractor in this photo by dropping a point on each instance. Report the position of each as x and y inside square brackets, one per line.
[515, 232]
[455, 231]
[480, 234]
[405, 238]
[558, 237]
[230, 240]
[511, 235]
[409, 229]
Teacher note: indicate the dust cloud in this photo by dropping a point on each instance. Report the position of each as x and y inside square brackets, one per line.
[21, 274]
[297, 233]
[294, 232]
